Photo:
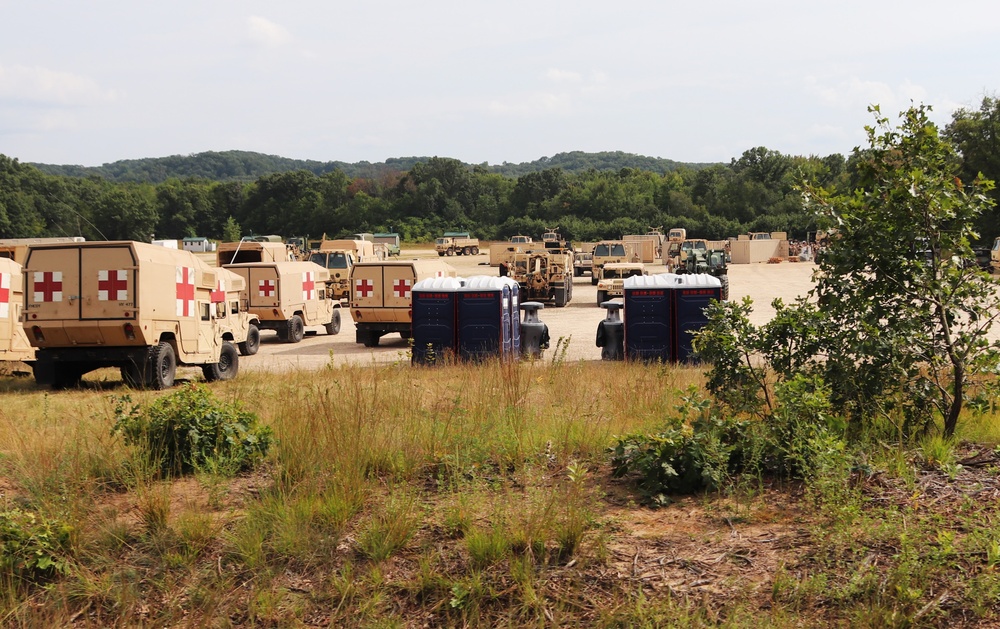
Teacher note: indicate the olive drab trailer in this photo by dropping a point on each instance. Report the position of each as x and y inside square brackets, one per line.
[132, 305]
[289, 296]
[381, 296]
[14, 345]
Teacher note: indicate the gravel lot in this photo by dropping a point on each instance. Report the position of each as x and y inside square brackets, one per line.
[577, 322]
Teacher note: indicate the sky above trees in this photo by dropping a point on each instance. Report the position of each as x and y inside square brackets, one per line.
[90, 83]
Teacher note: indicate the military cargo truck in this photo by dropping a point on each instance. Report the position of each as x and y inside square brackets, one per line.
[457, 243]
[136, 306]
[544, 275]
[381, 301]
[14, 345]
[607, 252]
[289, 296]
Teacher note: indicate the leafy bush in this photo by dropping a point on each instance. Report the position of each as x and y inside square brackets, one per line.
[683, 458]
[32, 548]
[191, 430]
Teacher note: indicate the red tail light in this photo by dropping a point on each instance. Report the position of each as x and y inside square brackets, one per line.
[129, 331]
[37, 333]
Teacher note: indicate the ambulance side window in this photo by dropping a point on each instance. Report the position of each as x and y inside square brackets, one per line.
[206, 313]
[234, 307]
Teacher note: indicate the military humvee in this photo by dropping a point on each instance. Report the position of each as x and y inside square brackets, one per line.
[381, 301]
[612, 279]
[14, 345]
[288, 296]
[136, 306]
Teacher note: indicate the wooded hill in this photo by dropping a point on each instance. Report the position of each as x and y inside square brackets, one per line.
[248, 166]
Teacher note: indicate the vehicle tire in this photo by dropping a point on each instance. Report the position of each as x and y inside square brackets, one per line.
[295, 330]
[44, 372]
[131, 375]
[371, 339]
[593, 280]
[560, 297]
[227, 367]
[475, 251]
[725, 287]
[66, 376]
[250, 346]
[467, 251]
[441, 254]
[161, 367]
[602, 296]
[333, 327]
[451, 252]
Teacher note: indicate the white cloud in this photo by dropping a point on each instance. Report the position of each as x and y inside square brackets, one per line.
[854, 93]
[51, 87]
[266, 33]
[563, 76]
[541, 103]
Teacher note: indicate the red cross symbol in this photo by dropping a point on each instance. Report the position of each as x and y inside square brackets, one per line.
[219, 294]
[185, 291]
[364, 288]
[112, 285]
[265, 288]
[4, 295]
[308, 286]
[48, 286]
[402, 288]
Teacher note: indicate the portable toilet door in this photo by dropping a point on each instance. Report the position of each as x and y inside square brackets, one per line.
[692, 295]
[647, 315]
[515, 319]
[481, 329]
[434, 328]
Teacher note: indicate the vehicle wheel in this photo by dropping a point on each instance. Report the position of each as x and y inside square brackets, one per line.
[593, 280]
[131, 375]
[66, 376]
[334, 326]
[602, 296]
[295, 330]
[162, 367]
[441, 253]
[44, 372]
[227, 367]
[250, 346]
[560, 297]
[725, 287]
[371, 339]
[475, 251]
[467, 251]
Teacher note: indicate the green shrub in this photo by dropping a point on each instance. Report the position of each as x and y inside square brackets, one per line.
[683, 458]
[190, 430]
[32, 548]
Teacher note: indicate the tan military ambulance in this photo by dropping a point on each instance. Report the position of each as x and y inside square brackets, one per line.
[248, 250]
[139, 307]
[14, 345]
[381, 301]
[237, 323]
[289, 296]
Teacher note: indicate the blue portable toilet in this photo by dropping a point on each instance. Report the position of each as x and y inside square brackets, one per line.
[692, 294]
[515, 317]
[485, 322]
[647, 313]
[434, 330]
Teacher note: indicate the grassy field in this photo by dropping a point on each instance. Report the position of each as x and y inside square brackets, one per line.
[476, 496]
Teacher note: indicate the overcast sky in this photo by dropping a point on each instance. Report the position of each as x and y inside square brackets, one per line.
[90, 82]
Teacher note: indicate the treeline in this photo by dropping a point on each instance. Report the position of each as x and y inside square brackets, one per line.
[756, 192]
[248, 166]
